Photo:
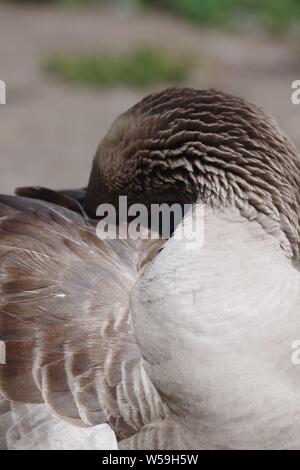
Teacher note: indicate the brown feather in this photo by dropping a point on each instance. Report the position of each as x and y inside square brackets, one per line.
[184, 145]
[64, 313]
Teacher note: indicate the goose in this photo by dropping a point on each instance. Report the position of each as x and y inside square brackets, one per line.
[162, 346]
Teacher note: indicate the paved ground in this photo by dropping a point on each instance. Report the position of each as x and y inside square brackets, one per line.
[49, 131]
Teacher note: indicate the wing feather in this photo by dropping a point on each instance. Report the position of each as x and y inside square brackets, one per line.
[65, 320]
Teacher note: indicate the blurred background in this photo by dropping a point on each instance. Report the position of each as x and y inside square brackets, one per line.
[72, 66]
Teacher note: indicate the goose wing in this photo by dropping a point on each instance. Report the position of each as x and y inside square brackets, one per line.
[32, 427]
[70, 199]
[65, 319]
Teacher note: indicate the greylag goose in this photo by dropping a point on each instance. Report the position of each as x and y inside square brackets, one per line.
[173, 348]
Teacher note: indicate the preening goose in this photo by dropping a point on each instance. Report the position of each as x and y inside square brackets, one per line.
[176, 349]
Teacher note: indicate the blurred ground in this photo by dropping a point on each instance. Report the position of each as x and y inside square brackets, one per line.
[49, 130]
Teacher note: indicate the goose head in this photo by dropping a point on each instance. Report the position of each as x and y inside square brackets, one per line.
[215, 324]
[186, 146]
